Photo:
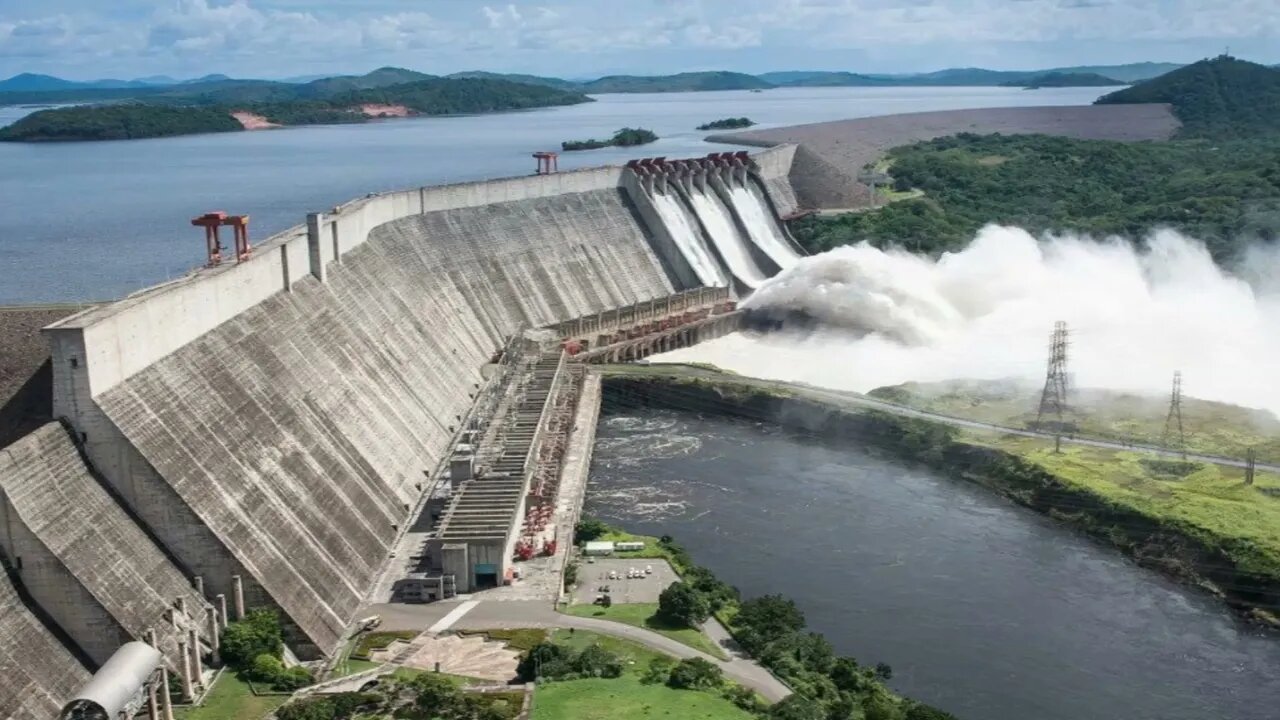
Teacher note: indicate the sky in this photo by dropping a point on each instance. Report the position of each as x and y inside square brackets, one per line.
[92, 39]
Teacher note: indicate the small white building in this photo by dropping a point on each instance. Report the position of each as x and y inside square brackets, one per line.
[628, 546]
[598, 547]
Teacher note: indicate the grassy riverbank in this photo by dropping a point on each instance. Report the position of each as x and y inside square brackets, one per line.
[1200, 524]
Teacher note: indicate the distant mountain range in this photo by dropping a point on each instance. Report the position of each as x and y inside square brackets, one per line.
[25, 87]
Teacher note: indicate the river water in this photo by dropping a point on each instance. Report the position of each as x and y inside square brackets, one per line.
[986, 609]
[89, 221]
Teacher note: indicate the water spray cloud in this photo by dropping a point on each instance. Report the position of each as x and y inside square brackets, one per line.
[1137, 314]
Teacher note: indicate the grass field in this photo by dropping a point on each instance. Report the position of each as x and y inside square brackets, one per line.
[624, 698]
[1211, 428]
[1212, 500]
[231, 699]
[644, 615]
[518, 639]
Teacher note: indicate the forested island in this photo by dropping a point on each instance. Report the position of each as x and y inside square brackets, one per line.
[1218, 180]
[625, 137]
[238, 105]
[727, 124]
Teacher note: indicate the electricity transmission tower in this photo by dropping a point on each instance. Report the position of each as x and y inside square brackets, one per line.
[1175, 417]
[1053, 401]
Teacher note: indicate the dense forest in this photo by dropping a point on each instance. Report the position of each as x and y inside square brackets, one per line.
[1225, 194]
[626, 137]
[118, 122]
[1219, 98]
[1218, 182]
[333, 100]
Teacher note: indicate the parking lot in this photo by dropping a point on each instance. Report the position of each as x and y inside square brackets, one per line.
[593, 575]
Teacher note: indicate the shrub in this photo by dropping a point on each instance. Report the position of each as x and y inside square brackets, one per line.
[258, 633]
[265, 668]
[682, 605]
[595, 661]
[744, 698]
[695, 674]
[541, 659]
[658, 671]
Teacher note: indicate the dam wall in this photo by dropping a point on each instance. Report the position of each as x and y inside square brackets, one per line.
[272, 422]
[258, 432]
[82, 558]
[37, 673]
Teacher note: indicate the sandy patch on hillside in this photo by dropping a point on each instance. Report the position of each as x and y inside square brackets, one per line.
[253, 121]
[380, 110]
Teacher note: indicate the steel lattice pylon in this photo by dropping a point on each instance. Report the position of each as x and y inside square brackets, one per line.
[1053, 400]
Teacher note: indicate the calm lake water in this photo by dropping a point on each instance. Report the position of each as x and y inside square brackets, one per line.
[88, 221]
[983, 608]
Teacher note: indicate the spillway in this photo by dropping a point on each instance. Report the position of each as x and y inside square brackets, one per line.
[689, 239]
[765, 231]
[727, 238]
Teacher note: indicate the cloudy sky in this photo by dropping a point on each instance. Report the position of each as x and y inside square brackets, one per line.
[87, 39]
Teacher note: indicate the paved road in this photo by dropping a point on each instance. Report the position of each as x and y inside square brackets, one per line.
[850, 398]
[527, 613]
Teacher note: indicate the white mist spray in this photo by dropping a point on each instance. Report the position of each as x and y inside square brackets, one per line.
[986, 312]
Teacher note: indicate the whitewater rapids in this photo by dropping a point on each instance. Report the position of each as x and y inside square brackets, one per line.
[1135, 315]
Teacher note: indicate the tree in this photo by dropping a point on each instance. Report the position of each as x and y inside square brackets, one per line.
[920, 711]
[434, 694]
[797, 707]
[589, 529]
[682, 605]
[695, 674]
[879, 706]
[539, 657]
[762, 620]
[884, 671]
[258, 633]
[847, 675]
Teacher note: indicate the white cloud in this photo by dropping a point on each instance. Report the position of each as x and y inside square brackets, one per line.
[263, 37]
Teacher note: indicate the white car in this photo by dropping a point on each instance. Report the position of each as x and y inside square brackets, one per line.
[613, 574]
[648, 569]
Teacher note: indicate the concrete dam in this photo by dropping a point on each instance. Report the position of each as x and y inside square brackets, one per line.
[263, 432]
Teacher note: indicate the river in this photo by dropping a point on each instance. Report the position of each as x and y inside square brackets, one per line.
[91, 221]
[983, 608]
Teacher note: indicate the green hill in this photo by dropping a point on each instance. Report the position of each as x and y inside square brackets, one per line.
[1061, 79]
[381, 77]
[1219, 98]
[550, 82]
[682, 82]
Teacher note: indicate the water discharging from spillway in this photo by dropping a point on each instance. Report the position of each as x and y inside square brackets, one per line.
[764, 230]
[689, 240]
[732, 246]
